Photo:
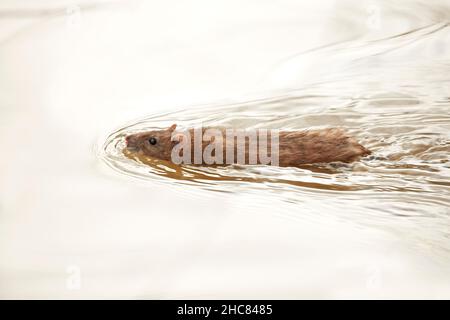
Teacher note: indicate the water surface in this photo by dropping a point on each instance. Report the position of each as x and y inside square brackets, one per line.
[72, 82]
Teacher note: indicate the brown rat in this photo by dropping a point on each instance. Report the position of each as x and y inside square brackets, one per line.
[295, 148]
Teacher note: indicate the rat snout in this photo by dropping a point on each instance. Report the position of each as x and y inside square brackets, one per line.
[131, 141]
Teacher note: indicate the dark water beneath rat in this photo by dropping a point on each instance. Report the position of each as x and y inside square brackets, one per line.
[396, 105]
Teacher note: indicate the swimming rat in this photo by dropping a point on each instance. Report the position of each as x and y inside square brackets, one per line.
[295, 148]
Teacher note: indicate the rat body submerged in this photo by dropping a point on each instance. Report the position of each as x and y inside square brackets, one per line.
[293, 148]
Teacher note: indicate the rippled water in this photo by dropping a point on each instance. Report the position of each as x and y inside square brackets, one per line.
[391, 101]
[71, 198]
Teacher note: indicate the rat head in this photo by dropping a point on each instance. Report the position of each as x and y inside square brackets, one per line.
[157, 144]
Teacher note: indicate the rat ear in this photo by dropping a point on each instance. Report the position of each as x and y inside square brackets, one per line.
[172, 127]
[177, 137]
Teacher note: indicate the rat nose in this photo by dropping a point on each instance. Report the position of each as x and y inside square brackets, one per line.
[131, 141]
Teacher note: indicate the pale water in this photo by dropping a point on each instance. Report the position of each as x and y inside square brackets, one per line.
[78, 218]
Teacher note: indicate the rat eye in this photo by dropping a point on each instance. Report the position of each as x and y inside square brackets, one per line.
[152, 141]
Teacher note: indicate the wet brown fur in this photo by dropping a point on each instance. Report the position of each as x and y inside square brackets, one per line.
[295, 147]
